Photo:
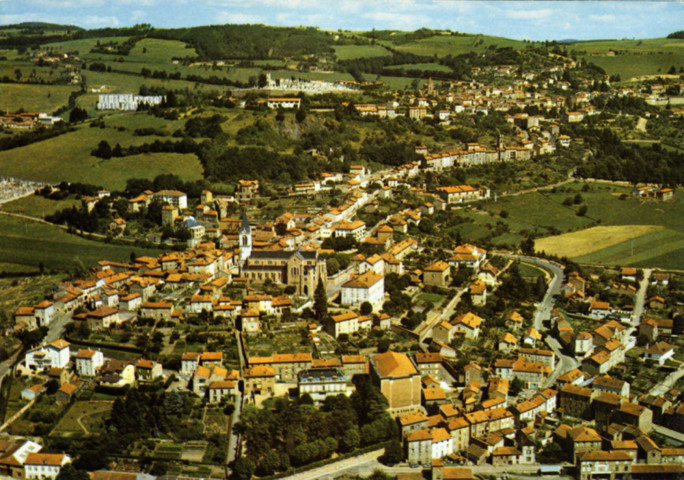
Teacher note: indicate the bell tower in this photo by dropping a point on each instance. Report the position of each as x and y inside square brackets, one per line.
[245, 239]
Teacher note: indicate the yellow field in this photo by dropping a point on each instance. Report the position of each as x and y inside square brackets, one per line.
[584, 242]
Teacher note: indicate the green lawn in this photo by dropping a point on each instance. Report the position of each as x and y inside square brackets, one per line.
[348, 52]
[34, 98]
[70, 159]
[634, 65]
[26, 291]
[32, 243]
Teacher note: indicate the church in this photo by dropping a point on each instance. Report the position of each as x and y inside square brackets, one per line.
[300, 269]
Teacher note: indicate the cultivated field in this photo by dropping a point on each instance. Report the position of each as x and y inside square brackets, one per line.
[590, 240]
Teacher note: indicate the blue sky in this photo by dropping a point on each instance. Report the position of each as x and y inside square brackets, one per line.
[534, 20]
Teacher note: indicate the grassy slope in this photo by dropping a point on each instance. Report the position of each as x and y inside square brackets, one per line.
[635, 57]
[34, 98]
[30, 243]
[70, 159]
[348, 52]
[38, 206]
[443, 45]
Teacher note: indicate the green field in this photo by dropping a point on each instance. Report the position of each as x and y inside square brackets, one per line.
[83, 418]
[159, 51]
[84, 46]
[443, 45]
[633, 58]
[433, 67]
[349, 52]
[34, 98]
[26, 291]
[31, 243]
[70, 159]
[38, 206]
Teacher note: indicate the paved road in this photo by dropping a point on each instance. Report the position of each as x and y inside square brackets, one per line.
[233, 439]
[641, 298]
[543, 312]
[361, 465]
[56, 328]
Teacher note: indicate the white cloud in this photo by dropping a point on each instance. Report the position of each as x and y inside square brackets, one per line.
[137, 15]
[100, 21]
[530, 14]
[231, 17]
[607, 17]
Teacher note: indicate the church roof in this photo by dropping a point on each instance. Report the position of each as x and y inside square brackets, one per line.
[245, 227]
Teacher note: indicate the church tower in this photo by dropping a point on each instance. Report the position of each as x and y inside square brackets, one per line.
[245, 238]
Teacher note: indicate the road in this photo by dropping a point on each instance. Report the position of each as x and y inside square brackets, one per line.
[233, 439]
[56, 328]
[445, 314]
[543, 312]
[360, 465]
[641, 298]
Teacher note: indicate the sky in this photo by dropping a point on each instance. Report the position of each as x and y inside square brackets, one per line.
[533, 20]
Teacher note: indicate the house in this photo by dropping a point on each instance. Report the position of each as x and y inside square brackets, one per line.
[282, 102]
[320, 383]
[88, 362]
[44, 465]
[250, 321]
[103, 318]
[347, 323]
[66, 392]
[478, 292]
[437, 274]
[367, 287]
[157, 310]
[468, 324]
[259, 380]
[174, 198]
[44, 312]
[419, 447]
[462, 194]
[412, 422]
[13, 454]
[429, 364]
[220, 390]
[44, 357]
[32, 392]
[575, 400]
[117, 374]
[659, 352]
[614, 464]
[147, 370]
[398, 380]
[130, 302]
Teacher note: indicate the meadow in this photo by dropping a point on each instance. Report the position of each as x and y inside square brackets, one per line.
[443, 45]
[70, 159]
[32, 243]
[349, 52]
[34, 98]
[38, 206]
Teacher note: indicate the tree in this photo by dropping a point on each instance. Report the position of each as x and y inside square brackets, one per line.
[244, 468]
[269, 464]
[321, 302]
[393, 453]
[366, 308]
[68, 472]
[104, 150]
[300, 116]
[280, 115]
[582, 211]
[516, 386]
[262, 81]
[350, 440]
[384, 344]
[77, 115]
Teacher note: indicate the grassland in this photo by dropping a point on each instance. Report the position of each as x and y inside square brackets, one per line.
[84, 45]
[38, 206]
[349, 52]
[615, 221]
[33, 98]
[633, 57]
[70, 159]
[83, 417]
[433, 67]
[155, 50]
[443, 45]
[17, 292]
[27, 242]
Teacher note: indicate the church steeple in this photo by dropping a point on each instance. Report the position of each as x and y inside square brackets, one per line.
[245, 239]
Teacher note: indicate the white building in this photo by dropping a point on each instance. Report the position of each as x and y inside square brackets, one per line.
[44, 465]
[54, 354]
[368, 287]
[88, 362]
[126, 101]
[347, 323]
[172, 197]
[320, 383]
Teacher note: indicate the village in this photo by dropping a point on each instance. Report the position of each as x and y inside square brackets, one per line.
[383, 309]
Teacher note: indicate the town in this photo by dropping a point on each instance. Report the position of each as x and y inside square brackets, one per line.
[474, 275]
